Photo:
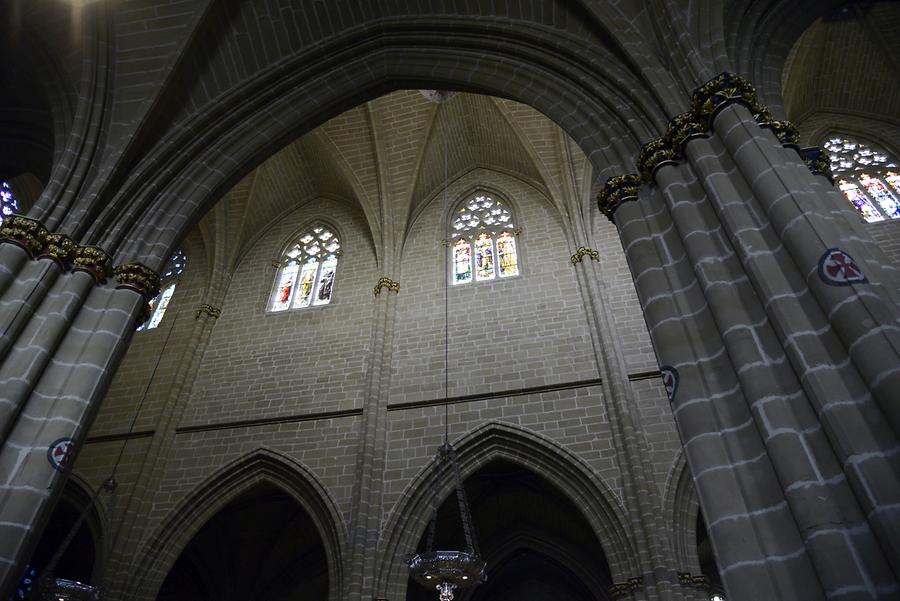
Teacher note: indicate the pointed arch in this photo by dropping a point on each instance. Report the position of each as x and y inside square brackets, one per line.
[218, 490]
[680, 507]
[554, 463]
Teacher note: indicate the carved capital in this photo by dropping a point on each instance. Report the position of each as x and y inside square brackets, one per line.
[688, 579]
[653, 155]
[138, 277]
[209, 310]
[93, 260]
[617, 190]
[25, 233]
[388, 283]
[582, 252]
[620, 589]
[785, 131]
[720, 91]
[684, 127]
[60, 248]
[818, 161]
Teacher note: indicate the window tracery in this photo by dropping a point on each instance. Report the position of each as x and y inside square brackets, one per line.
[483, 240]
[8, 203]
[307, 271]
[868, 177]
[170, 276]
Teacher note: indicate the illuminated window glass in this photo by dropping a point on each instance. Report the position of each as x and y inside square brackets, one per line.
[865, 176]
[483, 241]
[170, 275]
[8, 202]
[307, 271]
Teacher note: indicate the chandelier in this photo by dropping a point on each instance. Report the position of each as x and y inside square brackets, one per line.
[447, 571]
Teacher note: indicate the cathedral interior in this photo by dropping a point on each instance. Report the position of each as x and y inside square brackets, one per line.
[604, 295]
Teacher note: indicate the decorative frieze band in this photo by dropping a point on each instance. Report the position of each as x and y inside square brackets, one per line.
[209, 310]
[706, 101]
[620, 589]
[818, 161]
[582, 252]
[388, 283]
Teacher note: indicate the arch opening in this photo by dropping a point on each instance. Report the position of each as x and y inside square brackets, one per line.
[535, 540]
[261, 545]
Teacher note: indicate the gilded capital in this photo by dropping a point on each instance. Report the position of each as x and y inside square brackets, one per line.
[620, 589]
[617, 190]
[684, 127]
[582, 252]
[28, 234]
[818, 161]
[653, 155]
[688, 579]
[138, 277]
[388, 283]
[60, 248]
[209, 310]
[785, 131]
[93, 260]
[722, 90]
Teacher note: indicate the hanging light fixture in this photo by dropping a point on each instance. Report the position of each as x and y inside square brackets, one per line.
[443, 570]
[447, 570]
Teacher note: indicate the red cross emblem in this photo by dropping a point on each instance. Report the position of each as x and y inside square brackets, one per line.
[60, 452]
[670, 380]
[837, 268]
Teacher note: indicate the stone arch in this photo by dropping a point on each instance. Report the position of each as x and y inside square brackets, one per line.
[261, 466]
[545, 458]
[79, 493]
[598, 102]
[680, 507]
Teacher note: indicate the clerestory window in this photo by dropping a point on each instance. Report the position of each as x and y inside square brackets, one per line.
[483, 241]
[307, 270]
[867, 176]
[170, 277]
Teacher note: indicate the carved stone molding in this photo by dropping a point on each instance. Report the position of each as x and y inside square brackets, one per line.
[582, 252]
[138, 277]
[620, 589]
[93, 260]
[388, 283]
[688, 579]
[617, 190]
[28, 234]
[209, 310]
[60, 248]
[720, 91]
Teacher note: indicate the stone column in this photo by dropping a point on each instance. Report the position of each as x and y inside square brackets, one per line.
[70, 346]
[799, 327]
[365, 525]
[658, 579]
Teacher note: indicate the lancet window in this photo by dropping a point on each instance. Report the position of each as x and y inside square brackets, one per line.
[307, 271]
[8, 203]
[170, 276]
[868, 177]
[482, 241]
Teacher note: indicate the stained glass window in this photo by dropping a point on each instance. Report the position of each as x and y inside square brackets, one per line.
[483, 227]
[170, 275]
[307, 271]
[8, 202]
[864, 175]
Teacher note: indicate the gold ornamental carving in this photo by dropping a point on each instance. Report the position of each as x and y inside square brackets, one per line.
[93, 260]
[688, 579]
[60, 248]
[138, 277]
[209, 310]
[620, 589]
[617, 190]
[818, 161]
[582, 252]
[388, 283]
[28, 234]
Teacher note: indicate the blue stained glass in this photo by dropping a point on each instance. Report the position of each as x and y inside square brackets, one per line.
[8, 203]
